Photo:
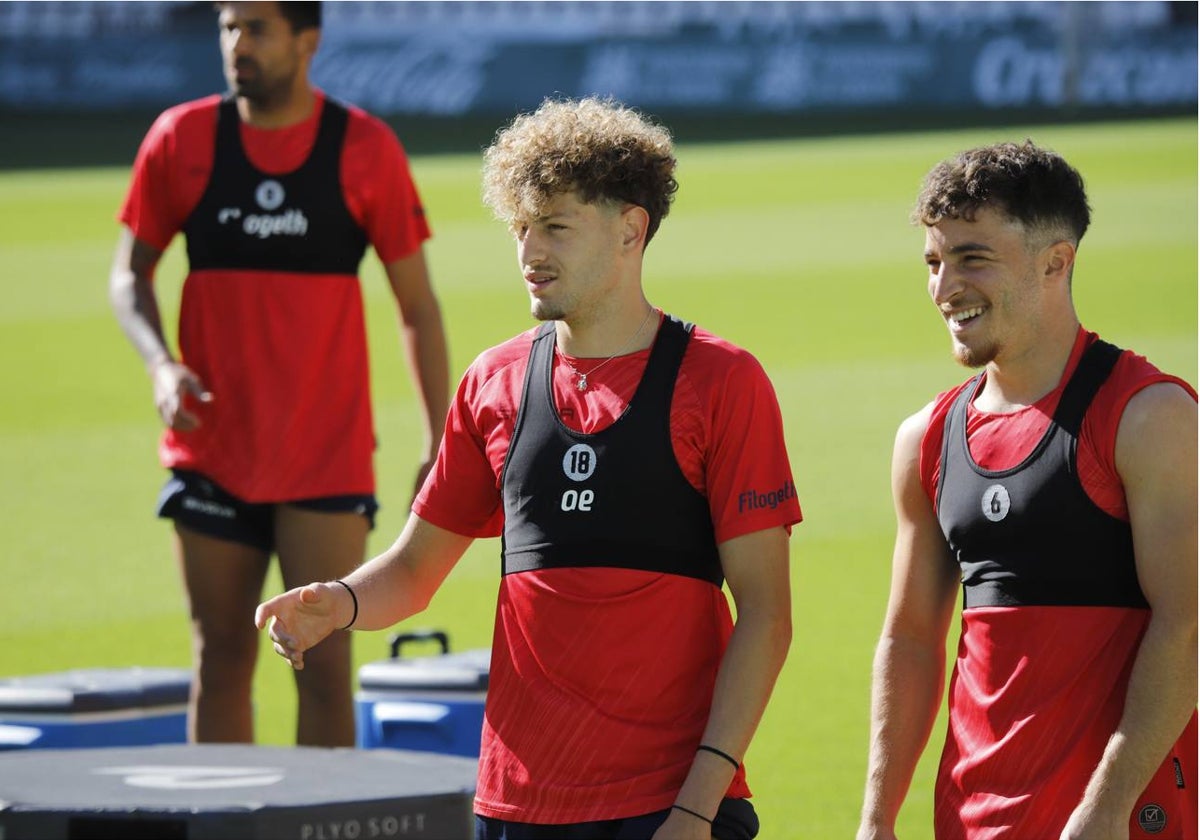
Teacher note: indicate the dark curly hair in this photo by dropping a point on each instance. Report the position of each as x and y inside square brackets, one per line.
[1034, 186]
[597, 148]
[300, 14]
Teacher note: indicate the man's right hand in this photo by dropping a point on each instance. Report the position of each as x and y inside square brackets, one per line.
[300, 618]
[172, 383]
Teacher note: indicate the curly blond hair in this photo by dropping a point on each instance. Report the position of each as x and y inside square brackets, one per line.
[597, 148]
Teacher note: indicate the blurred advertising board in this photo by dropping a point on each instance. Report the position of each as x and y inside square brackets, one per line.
[452, 59]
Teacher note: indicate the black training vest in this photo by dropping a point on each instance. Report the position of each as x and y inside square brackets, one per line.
[295, 222]
[616, 498]
[1029, 535]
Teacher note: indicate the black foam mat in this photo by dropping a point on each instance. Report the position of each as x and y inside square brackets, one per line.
[235, 792]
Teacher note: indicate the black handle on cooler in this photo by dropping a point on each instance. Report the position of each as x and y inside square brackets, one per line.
[398, 640]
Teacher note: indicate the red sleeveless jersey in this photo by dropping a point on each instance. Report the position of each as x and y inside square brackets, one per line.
[1038, 690]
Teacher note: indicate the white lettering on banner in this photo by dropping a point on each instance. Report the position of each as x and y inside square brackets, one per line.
[788, 75]
[195, 777]
[385, 826]
[160, 76]
[785, 79]
[1122, 76]
[679, 74]
[843, 76]
[30, 82]
[408, 74]
[1009, 73]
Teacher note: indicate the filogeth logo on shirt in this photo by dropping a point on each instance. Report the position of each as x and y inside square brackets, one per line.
[757, 500]
[269, 195]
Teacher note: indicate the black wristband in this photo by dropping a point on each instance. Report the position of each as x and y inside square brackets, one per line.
[353, 598]
[736, 764]
[693, 813]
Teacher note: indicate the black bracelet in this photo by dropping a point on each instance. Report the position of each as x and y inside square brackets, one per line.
[693, 813]
[736, 764]
[353, 598]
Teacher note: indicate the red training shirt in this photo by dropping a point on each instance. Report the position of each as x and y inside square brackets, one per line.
[283, 354]
[1038, 690]
[602, 678]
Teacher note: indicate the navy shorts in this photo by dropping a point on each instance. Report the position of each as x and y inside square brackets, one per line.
[736, 820]
[200, 504]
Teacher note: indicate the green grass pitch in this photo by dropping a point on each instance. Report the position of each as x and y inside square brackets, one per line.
[799, 250]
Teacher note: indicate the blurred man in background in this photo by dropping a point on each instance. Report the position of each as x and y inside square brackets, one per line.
[1059, 484]
[278, 189]
[632, 464]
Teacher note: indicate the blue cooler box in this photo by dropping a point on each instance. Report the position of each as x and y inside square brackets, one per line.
[430, 703]
[96, 707]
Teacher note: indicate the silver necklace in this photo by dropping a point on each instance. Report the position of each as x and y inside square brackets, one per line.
[582, 384]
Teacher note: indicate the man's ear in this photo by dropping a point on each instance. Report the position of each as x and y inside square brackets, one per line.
[310, 39]
[635, 221]
[1058, 258]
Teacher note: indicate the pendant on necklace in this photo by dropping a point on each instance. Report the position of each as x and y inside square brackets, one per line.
[581, 385]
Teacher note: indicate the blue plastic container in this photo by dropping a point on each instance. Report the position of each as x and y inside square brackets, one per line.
[96, 707]
[429, 703]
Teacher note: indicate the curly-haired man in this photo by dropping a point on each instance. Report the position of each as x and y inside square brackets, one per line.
[633, 465]
[1058, 487]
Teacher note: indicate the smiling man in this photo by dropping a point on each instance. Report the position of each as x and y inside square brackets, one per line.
[609, 447]
[1059, 487]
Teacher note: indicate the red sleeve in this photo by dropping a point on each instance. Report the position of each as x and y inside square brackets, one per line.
[171, 171]
[744, 464]
[379, 188]
[465, 498]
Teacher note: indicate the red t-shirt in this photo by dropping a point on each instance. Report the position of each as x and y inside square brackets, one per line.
[1037, 691]
[283, 354]
[602, 678]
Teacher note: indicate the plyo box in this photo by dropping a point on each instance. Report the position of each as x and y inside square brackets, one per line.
[94, 707]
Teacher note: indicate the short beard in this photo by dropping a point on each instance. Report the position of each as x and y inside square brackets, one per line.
[247, 90]
[262, 93]
[975, 357]
[543, 311]
[254, 93]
